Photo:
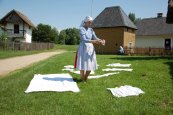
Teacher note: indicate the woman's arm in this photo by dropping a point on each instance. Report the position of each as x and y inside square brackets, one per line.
[94, 35]
[99, 41]
[95, 42]
[83, 35]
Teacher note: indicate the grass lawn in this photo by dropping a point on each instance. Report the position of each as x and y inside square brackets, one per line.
[154, 75]
[10, 53]
[66, 47]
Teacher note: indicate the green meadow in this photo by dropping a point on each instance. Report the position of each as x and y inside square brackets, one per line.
[154, 75]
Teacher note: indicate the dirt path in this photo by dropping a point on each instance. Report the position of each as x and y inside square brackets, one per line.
[12, 64]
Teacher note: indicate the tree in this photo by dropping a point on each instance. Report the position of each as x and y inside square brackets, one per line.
[76, 34]
[62, 37]
[69, 36]
[44, 33]
[138, 19]
[54, 35]
[133, 18]
[72, 36]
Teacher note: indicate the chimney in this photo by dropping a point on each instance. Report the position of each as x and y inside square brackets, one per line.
[159, 15]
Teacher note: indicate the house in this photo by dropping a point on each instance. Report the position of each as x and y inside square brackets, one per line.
[18, 26]
[154, 33]
[113, 25]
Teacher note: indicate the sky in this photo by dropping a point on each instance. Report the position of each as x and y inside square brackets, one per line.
[64, 14]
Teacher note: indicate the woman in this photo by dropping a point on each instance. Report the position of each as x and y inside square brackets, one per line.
[86, 56]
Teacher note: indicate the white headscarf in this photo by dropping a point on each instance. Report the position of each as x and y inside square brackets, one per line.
[87, 19]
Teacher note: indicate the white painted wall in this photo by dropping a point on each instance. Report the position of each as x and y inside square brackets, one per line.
[28, 32]
[152, 41]
[10, 26]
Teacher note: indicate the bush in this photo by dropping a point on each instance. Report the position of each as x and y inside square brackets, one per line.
[3, 36]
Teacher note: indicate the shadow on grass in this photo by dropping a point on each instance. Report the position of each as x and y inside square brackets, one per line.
[170, 64]
[61, 79]
[77, 80]
[135, 58]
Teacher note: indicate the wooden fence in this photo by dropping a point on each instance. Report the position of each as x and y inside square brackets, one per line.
[148, 51]
[4, 45]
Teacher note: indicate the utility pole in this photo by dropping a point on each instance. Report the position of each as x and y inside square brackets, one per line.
[91, 8]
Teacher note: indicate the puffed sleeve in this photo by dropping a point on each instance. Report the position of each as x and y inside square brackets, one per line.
[94, 35]
[83, 35]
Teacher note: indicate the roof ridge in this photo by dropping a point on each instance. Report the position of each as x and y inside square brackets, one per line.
[120, 11]
[21, 15]
[122, 14]
[26, 18]
[153, 18]
[113, 17]
[112, 7]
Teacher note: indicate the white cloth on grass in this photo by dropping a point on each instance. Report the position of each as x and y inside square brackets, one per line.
[104, 75]
[118, 65]
[117, 69]
[76, 72]
[52, 82]
[72, 66]
[126, 90]
[69, 67]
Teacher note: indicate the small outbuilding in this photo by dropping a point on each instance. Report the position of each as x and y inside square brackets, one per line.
[113, 25]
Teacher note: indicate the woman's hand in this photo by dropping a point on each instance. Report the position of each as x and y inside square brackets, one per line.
[103, 42]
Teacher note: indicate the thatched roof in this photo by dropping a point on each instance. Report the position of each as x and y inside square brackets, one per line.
[113, 17]
[154, 26]
[22, 16]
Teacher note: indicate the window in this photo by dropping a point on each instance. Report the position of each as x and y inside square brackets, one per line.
[16, 28]
[167, 44]
[130, 45]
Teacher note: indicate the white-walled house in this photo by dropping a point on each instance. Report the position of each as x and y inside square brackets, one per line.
[154, 33]
[18, 26]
